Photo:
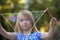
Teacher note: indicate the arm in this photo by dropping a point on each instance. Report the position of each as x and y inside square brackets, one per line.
[50, 33]
[6, 34]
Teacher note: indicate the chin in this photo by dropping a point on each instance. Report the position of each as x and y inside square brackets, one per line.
[25, 29]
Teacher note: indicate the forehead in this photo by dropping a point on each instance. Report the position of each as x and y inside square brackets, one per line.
[24, 17]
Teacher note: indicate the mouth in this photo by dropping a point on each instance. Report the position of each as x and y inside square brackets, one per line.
[26, 25]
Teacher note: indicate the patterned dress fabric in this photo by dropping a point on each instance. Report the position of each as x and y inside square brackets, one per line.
[32, 36]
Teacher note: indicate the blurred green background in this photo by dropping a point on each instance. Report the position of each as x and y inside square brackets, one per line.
[10, 9]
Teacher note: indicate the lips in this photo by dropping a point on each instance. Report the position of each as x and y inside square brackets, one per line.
[25, 25]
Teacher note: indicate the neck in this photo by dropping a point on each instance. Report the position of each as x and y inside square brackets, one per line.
[27, 31]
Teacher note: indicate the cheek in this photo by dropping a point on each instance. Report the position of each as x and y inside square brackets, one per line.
[20, 23]
[30, 24]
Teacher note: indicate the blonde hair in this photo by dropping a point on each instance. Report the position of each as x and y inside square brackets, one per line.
[26, 13]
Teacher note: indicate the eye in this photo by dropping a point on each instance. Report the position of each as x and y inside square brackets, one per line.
[28, 19]
[21, 20]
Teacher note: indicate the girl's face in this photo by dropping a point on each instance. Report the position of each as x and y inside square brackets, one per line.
[24, 22]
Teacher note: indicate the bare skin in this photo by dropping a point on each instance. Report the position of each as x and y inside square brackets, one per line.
[12, 36]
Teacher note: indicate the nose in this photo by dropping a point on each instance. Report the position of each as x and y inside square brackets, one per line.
[24, 22]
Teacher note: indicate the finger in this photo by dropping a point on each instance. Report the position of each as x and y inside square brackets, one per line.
[54, 21]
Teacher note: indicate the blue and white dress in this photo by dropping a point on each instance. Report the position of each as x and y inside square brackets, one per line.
[32, 36]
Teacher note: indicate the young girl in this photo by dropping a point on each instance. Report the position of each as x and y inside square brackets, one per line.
[25, 28]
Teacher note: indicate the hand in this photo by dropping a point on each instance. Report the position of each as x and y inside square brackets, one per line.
[53, 22]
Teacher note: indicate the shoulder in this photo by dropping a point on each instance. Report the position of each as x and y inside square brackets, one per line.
[37, 33]
[18, 34]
